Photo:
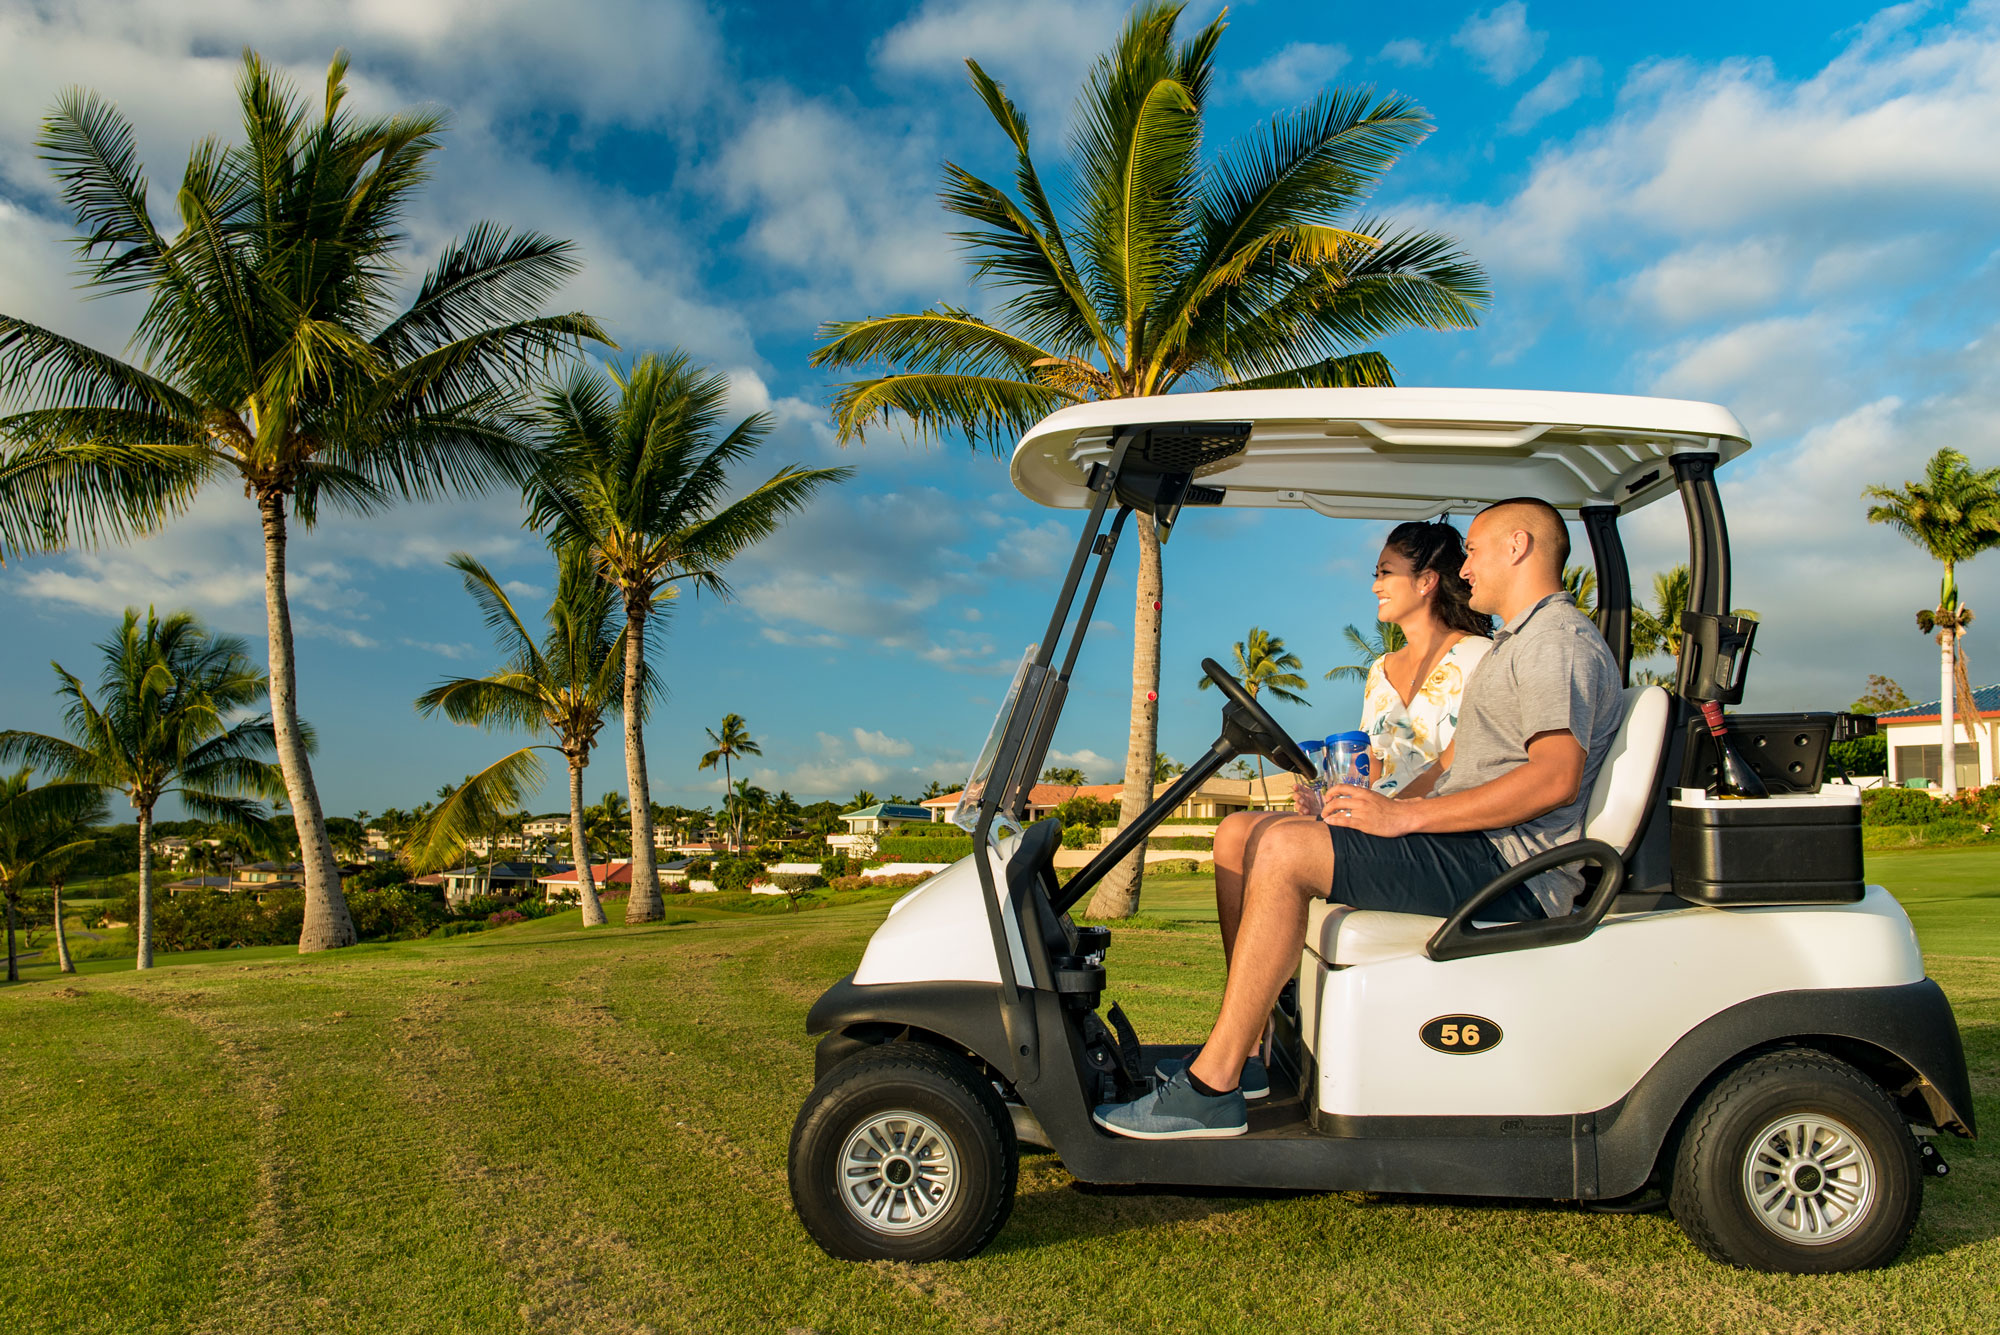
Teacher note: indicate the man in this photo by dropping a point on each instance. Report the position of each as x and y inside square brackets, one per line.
[1534, 725]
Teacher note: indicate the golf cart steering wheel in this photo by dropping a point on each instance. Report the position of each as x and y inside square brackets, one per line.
[1279, 745]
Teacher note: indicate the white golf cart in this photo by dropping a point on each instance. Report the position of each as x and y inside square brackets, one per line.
[1728, 1020]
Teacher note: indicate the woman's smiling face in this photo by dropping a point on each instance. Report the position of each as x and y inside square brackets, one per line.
[1399, 590]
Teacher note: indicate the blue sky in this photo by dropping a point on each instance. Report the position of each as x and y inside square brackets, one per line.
[1785, 208]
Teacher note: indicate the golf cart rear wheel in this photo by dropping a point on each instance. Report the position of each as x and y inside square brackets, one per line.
[1798, 1162]
[903, 1153]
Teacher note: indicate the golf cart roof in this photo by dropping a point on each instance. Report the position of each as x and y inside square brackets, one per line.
[1394, 453]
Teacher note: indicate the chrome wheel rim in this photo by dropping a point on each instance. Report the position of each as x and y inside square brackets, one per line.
[898, 1173]
[1809, 1179]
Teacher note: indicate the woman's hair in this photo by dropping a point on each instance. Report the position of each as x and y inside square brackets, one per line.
[1436, 548]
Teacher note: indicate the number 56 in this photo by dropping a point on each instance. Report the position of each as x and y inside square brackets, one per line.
[1452, 1035]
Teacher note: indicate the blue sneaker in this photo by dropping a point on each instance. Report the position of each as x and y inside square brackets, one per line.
[1176, 1111]
[1253, 1084]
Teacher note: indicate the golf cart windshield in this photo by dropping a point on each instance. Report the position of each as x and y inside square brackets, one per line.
[966, 814]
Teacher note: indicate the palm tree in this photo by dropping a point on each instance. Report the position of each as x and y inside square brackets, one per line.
[747, 801]
[55, 870]
[608, 825]
[564, 685]
[1067, 775]
[634, 473]
[861, 801]
[1165, 767]
[160, 726]
[1954, 514]
[1656, 630]
[40, 828]
[272, 355]
[732, 740]
[1264, 664]
[1581, 583]
[1387, 640]
[1153, 267]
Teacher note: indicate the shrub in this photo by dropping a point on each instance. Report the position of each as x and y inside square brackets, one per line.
[395, 912]
[1079, 836]
[1087, 811]
[377, 877]
[1898, 806]
[1181, 841]
[1863, 755]
[790, 882]
[1179, 867]
[505, 917]
[900, 848]
[878, 882]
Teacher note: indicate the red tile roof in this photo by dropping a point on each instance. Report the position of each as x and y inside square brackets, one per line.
[1046, 794]
[601, 873]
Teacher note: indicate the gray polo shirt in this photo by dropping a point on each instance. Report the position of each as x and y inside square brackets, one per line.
[1549, 671]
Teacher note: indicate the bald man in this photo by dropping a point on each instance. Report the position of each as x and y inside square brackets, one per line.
[1534, 725]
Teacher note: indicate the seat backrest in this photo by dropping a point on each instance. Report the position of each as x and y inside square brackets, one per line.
[1624, 787]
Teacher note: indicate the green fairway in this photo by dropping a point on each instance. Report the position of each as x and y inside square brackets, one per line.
[540, 1129]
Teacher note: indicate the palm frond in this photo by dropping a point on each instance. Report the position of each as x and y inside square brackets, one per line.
[439, 839]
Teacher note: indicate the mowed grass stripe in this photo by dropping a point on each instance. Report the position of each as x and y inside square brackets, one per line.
[543, 1129]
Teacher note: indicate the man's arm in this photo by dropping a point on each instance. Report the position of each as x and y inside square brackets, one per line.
[1551, 777]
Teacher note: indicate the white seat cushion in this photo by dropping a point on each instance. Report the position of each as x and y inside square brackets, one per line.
[1624, 788]
[1342, 935]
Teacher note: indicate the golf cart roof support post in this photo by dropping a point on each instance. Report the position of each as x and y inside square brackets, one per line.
[1017, 1014]
[1055, 689]
[1614, 583]
[1134, 835]
[1708, 535]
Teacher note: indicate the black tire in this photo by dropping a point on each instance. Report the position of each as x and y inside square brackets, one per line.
[1863, 1199]
[931, 1095]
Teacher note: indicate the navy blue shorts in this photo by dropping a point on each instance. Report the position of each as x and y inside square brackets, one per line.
[1430, 874]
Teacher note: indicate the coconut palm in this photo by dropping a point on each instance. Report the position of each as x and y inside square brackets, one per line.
[272, 354]
[1165, 767]
[746, 803]
[1954, 514]
[565, 685]
[40, 829]
[1656, 630]
[733, 739]
[1581, 584]
[55, 870]
[1388, 638]
[160, 726]
[634, 472]
[1264, 664]
[1152, 267]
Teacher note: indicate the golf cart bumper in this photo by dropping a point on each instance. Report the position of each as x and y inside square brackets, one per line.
[854, 1017]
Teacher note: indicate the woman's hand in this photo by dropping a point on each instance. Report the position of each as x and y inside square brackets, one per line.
[1368, 811]
[1305, 800]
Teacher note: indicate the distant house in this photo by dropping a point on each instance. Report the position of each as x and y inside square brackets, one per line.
[1213, 800]
[612, 879]
[502, 878]
[220, 884]
[262, 877]
[552, 826]
[865, 826]
[1916, 744]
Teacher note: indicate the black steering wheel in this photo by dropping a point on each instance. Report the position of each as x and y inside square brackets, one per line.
[1278, 744]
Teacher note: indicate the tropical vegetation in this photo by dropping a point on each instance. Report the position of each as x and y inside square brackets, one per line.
[731, 740]
[564, 686]
[1144, 265]
[273, 355]
[633, 471]
[40, 828]
[1953, 513]
[169, 719]
[1264, 664]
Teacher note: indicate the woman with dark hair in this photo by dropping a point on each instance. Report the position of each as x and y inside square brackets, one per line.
[1410, 705]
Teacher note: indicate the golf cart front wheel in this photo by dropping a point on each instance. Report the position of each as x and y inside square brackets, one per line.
[903, 1153]
[1798, 1162]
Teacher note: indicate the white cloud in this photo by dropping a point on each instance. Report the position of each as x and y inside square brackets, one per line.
[1405, 51]
[1710, 279]
[1780, 373]
[1564, 85]
[1039, 48]
[1501, 41]
[1096, 768]
[880, 743]
[455, 652]
[1293, 72]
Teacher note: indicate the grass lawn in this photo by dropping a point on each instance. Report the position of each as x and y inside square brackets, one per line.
[541, 1129]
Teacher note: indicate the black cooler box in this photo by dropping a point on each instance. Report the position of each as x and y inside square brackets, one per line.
[1776, 850]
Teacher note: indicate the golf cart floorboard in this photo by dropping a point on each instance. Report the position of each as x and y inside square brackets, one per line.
[1281, 1116]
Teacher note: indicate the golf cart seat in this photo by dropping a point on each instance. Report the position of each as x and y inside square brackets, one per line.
[1341, 936]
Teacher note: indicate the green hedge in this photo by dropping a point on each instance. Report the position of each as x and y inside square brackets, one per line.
[1079, 836]
[1181, 841]
[904, 848]
[1179, 867]
[1899, 806]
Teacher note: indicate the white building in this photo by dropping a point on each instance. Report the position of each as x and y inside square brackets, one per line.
[1916, 744]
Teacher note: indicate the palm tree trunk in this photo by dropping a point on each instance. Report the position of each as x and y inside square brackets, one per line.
[145, 954]
[64, 964]
[13, 966]
[327, 924]
[729, 797]
[579, 848]
[643, 904]
[1117, 895]
[1948, 752]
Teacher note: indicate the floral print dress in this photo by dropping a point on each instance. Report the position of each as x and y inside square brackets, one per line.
[1408, 739]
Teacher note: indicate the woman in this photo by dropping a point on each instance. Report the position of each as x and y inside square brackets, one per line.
[1410, 705]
